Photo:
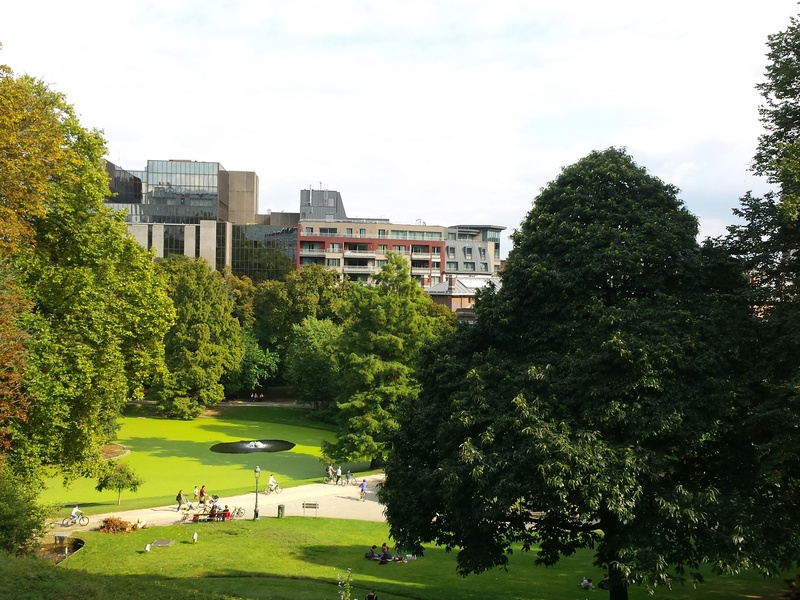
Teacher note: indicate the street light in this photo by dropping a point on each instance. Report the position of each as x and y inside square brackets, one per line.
[257, 472]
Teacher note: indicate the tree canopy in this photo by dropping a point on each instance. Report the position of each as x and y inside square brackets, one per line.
[385, 326]
[90, 341]
[205, 342]
[581, 409]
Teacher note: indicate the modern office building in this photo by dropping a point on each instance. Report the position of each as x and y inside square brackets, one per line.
[200, 209]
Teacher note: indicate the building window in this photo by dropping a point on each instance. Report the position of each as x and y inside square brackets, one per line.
[335, 247]
[469, 266]
[379, 263]
[399, 249]
[484, 267]
[468, 253]
[362, 232]
[451, 252]
[382, 234]
[333, 262]
[327, 230]
[482, 252]
[349, 231]
[452, 266]
[309, 230]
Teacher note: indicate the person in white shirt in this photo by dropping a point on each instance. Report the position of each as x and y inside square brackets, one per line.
[272, 483]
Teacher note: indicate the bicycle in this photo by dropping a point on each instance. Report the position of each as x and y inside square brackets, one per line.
[237, 512]
[81, 520]
[277, 489]
[362, 494]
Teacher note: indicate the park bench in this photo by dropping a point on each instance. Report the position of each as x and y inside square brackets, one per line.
[311, 506]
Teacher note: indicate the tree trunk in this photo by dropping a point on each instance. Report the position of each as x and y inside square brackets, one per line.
[618, 589]
[119, 497]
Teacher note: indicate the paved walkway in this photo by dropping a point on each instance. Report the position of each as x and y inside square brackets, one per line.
[335, 501]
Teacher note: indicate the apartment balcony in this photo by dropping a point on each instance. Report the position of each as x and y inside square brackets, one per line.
[421, 271]
[421, 255]
[359, 269]
[359, 253]
[312, 252]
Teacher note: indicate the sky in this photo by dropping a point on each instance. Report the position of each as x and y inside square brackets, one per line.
[436, 111]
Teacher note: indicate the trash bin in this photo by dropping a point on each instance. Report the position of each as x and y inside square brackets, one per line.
[281, 509]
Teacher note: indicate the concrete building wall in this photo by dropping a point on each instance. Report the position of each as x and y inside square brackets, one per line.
[140, 233]
[158, 239]
[189, 240]
[208, 242]
[242, 197]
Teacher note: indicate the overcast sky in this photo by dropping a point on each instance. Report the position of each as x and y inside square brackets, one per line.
[446, 112]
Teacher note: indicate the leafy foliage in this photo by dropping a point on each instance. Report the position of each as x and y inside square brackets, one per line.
[386, 325]
[203, 345]
[22, 518]
[581, 409]
[311, 361]
[280, 305]
[118, 476]
[92, 343]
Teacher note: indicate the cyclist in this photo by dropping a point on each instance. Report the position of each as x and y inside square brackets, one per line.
[272, 483]
[350, 479]
[75, 514]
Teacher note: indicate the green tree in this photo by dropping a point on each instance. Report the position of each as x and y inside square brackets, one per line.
[386, 325]
[22, 518]
[203, 345]
[311, 361]
[118, 476]
[93, 343]
[581, 409]
[766, 240]
[778, 153]
[312, 291]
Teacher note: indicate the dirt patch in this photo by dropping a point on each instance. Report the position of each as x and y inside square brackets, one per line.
[113, 451]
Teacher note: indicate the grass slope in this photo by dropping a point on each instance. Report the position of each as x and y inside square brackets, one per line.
[301, 559]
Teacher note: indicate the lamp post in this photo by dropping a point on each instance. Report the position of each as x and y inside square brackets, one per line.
[257, 472]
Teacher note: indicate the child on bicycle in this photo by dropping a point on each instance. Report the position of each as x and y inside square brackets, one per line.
[75, 514]
[272, 483]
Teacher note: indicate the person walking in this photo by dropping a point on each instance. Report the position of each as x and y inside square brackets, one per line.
[196, 494]
[339, 475]
[180, 499]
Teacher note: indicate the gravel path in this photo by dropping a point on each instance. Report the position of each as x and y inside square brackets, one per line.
[338, 502]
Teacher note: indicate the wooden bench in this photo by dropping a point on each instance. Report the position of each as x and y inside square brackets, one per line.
[311, 506]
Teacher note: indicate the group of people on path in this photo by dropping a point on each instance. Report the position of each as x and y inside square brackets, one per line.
[335, 475]
[217, 512]
[199, 497]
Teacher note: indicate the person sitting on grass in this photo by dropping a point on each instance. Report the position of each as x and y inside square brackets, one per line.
[371, 596]
[372, 554]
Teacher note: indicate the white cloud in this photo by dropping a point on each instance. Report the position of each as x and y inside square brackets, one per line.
[447, 112]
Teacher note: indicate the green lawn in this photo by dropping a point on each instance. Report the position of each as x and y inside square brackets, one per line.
[170, 454]
[298, 558]
[291, 558]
